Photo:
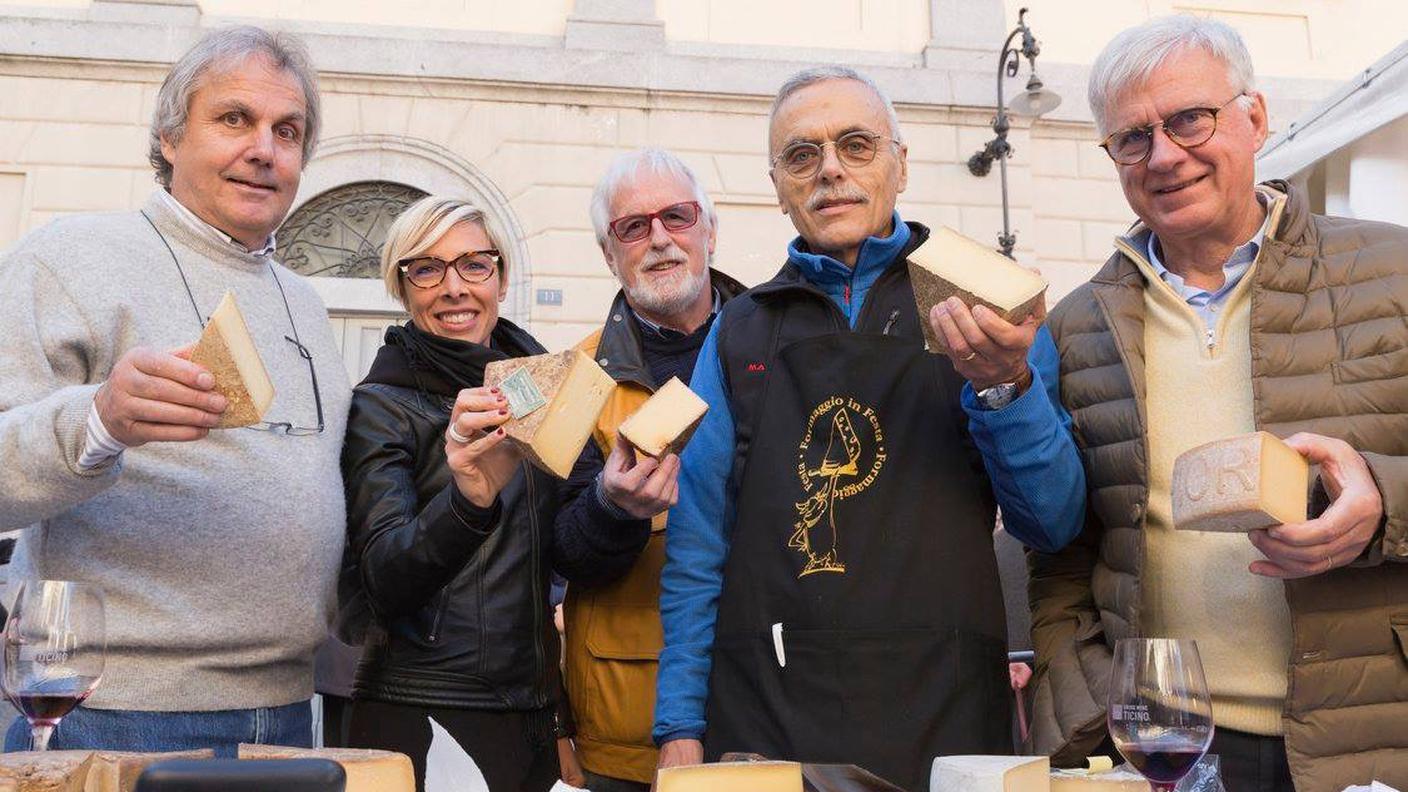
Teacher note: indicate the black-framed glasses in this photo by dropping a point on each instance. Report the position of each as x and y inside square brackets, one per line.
[675, 217]
[1188, 128]
[857, 149]
[475, 266]
[288, 428]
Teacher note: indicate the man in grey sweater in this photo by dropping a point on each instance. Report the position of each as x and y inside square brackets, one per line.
[216, 550]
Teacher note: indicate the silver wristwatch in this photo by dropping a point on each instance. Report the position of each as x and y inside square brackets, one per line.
[998, 396]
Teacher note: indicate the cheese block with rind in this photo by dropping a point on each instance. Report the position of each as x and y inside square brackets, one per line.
[751, 776]
[980, 773]
[666, 421]
[576, 390]
[47, 771]
[950, 264]
[367, 770]
[118, 771]
[227, 351]
[1239, 483]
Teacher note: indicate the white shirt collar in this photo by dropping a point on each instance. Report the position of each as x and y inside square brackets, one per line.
[199, 226]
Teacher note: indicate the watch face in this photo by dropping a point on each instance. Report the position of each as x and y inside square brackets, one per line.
[998, 395]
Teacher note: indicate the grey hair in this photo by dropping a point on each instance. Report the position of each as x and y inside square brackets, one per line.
[626, 167]
[219, 49]
[1132, 56]
[817, 74]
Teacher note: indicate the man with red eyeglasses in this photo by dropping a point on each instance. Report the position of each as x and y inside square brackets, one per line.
[657, 228]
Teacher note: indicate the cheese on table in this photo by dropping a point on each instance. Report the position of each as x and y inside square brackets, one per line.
[666, 421]
[227, 351]
[46, 771]
[118, 771]
[750, 776]
[949, 264]
[367, 770]
[1239, 483]
[974, 773]
[554, 401]
[1120, 780]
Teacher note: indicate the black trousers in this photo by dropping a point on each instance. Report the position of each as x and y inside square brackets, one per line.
[1251, 762]
[516, 751]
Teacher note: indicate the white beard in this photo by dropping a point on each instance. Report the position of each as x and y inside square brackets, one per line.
[667, 297]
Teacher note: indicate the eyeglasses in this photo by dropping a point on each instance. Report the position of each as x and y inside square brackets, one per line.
[288, 428]
[676, 217]
[1188, 128]
[476, 266]
[854, 149]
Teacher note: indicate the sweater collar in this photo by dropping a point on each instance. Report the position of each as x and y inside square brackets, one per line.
[876, 253]
[194, 234]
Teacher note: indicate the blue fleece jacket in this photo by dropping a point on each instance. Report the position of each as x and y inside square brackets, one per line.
[1026, 446]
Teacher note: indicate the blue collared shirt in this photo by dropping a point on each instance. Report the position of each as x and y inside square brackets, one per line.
[1205, 303]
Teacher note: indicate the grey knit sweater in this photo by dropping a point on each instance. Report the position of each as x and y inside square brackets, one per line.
[217, 557]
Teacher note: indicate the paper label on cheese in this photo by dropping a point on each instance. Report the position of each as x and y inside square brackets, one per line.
[522, 393]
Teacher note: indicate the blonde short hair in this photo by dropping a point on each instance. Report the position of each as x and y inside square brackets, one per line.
[420, 226]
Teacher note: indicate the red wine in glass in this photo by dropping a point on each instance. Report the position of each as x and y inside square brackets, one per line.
[55, 649]
[1160, 713]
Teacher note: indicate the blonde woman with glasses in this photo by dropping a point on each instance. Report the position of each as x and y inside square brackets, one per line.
[452, 538]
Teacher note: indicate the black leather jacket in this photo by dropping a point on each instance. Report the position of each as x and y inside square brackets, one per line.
[459, 594]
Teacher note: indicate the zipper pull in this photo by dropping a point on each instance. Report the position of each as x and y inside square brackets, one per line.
[894, 316]
[846, 295]
[777, 645]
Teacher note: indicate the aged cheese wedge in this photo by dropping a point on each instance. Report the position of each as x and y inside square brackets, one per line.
[117, 771]
[227, 351]
[1105, 781]
[554, 400]
[1239, 483]
[750, 776]
[47, 771]
[949, 264]
[367, 770]
[666, 421]
[974, 773]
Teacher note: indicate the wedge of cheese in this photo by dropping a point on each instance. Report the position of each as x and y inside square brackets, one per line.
[990, 774]
[664, 424]
[554, 400]
[46, 771]
[1239, 483]
[949, 264]
[117, 771]
[227, 351]
[367, 770]
[750, 776]
[1120, 780]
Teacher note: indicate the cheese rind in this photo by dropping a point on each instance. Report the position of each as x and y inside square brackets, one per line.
[227, 351]
[367, 770]
[1240, 483]
[47, 771]
[976, 773]
[950, 264]
[750, 776]
[118, 771]
[576, 388]
[1107, 781]
[664, 424]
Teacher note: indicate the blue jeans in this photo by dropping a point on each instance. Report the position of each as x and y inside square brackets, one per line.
[132, 730]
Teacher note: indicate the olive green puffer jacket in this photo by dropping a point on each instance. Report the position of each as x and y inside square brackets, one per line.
[1329, 348]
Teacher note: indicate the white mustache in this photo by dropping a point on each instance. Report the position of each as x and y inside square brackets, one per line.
[831, 195]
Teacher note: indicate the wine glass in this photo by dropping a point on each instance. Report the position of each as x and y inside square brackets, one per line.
[54, 651]
[1160, 715]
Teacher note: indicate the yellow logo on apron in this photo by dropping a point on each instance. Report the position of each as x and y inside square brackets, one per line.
[844, 465]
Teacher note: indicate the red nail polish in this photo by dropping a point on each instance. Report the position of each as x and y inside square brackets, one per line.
[493, 390]
[503, 412]
[500, 432]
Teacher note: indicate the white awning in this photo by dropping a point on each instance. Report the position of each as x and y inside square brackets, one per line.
[1377, 96]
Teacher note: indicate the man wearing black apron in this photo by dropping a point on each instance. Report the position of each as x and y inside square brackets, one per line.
[830, 591]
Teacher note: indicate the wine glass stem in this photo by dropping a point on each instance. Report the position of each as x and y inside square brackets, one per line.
[41, 734]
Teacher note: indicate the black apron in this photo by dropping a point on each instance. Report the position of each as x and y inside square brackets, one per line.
[861, 556]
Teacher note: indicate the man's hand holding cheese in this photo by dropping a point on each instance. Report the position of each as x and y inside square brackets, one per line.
[986, 349]
[641, 486]
[156, 396]
[1339, 535]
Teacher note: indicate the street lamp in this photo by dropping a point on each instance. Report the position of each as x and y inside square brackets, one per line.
[1034, 101]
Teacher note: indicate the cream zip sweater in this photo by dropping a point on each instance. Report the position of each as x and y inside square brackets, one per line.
[218, 558]
[1196, 585]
